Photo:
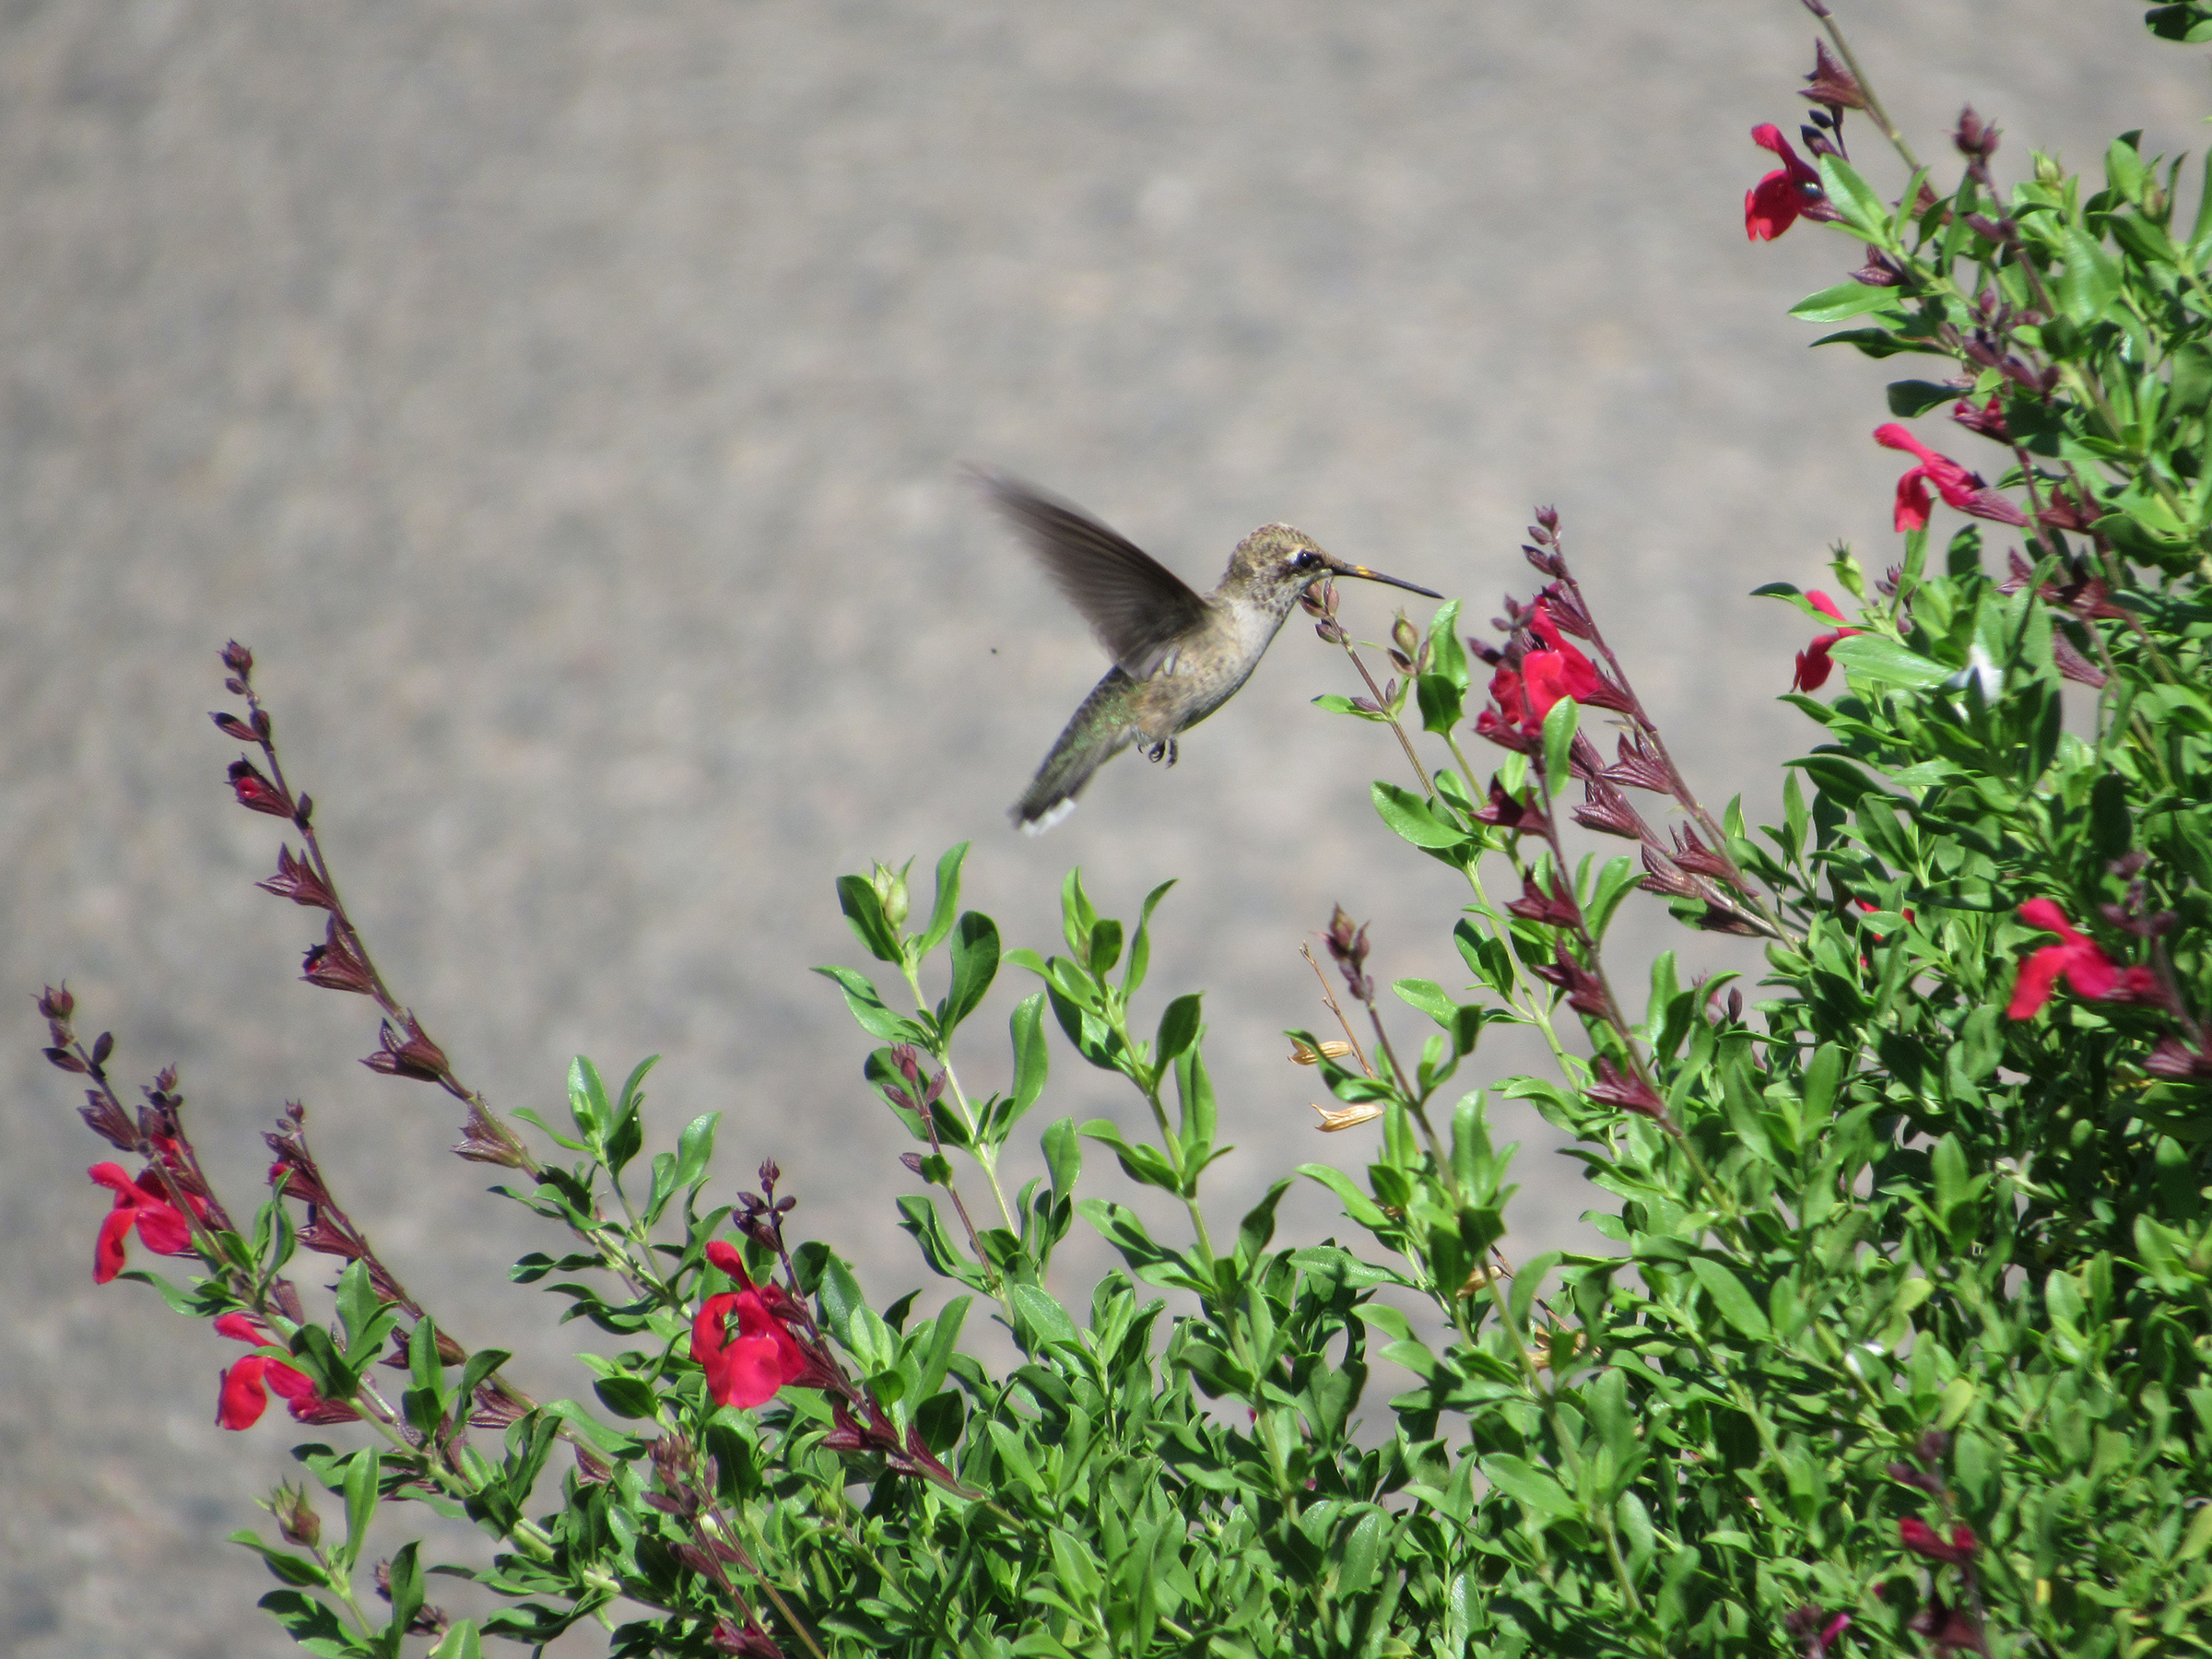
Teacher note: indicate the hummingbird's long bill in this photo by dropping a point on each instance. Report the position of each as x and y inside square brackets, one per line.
[1344, 569]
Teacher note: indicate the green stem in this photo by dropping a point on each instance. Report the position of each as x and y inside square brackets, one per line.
[986, 1156]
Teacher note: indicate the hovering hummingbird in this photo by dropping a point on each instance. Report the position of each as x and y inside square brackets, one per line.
[1177, 656]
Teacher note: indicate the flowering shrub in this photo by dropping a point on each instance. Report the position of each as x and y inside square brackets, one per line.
[1900, 1343]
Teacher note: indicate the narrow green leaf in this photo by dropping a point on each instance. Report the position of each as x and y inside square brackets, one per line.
[948, 900]
[975, 965]
[1559, 726]
[1518, 1478]
[1178, 1028]
[1736, 1304]
[864, 913]
[1864, 211]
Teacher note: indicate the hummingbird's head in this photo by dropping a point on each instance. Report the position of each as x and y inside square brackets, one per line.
[1277, 563]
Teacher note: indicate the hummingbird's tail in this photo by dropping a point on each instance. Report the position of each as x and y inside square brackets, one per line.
[1100, 731]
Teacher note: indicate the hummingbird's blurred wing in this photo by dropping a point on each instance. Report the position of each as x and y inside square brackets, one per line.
[1138, 607]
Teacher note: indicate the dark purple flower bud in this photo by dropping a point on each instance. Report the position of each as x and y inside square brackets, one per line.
[1831, 83]
[238, 659]
[1625, 1090]
[1975, 139]
[256, 792]
[413, 1055]
[296, 879]
[1928, 1544]
[335, 966]
[230, 725]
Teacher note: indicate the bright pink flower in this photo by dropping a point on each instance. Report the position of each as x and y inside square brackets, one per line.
[2086, 967]
[243, 1394]
[143, 1203]
[1813, 665]
[747, 1369]
[1774, 204]
[1924, 1541]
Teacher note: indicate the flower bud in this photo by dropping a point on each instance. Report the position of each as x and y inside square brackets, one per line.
[890, 891]
[296, 1518]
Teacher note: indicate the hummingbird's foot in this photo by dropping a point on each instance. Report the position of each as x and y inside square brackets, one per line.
[1165, 748]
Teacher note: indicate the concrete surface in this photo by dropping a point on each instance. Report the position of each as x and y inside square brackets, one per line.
[565, 402]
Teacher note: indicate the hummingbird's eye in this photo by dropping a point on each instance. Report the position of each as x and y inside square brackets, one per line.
[1308, 560]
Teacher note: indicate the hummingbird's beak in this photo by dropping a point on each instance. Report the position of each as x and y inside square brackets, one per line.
[1343, 569]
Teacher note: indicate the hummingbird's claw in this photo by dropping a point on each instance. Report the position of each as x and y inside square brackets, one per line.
[1165, 748]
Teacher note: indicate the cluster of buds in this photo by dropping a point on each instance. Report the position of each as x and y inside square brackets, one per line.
[1348, 947]
[759, 1216]
[1320, 602]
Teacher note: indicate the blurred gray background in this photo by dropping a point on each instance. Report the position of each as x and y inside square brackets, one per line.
[565, 403]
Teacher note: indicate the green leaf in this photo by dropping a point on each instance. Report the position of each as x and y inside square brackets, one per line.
[289, 1568]
[695, 1149]
[1412, 818]
[1848, 300]
[869, 1011]
[1736, 1303]
[1039, 1321]
[1883, 660]
[1140, 942]
[1178, 1028]
[587, 1100]
[405, 1579]
[1032, 1061]
[361, 1477]
[1560, 727]
[1063, 1156]
[1910, 399]
[974, 966]
[2089, 284]
[1517, 1477]
[461, 1640]
[1863, 210]
[948, 901]
[864, 911]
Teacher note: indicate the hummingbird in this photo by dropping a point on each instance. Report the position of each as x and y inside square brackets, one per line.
[1178, 655]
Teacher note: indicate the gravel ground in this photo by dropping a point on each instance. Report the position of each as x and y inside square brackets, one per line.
[565, 403]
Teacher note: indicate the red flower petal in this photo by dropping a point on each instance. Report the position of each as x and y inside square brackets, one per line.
[242, 1327]
[108, 1253]
[242, 1398]
[2039, 973]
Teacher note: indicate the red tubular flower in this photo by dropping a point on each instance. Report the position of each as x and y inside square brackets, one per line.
[1550, 670]
[243, 1394]
[1957, 485]
[2080, 960]
[1813, 665]
[1924, 1541]
[143, 1203]
[1952, 482]
[1776, 202]
[747, 1369]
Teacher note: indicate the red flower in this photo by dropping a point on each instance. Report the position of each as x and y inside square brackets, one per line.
[1775, 203]
[244, 1391]
[747, 1369]
[1554, 669]
[1812, 666]
[143, 1203]
[1957, 486]
[1924, 1541]
[2084, 964]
